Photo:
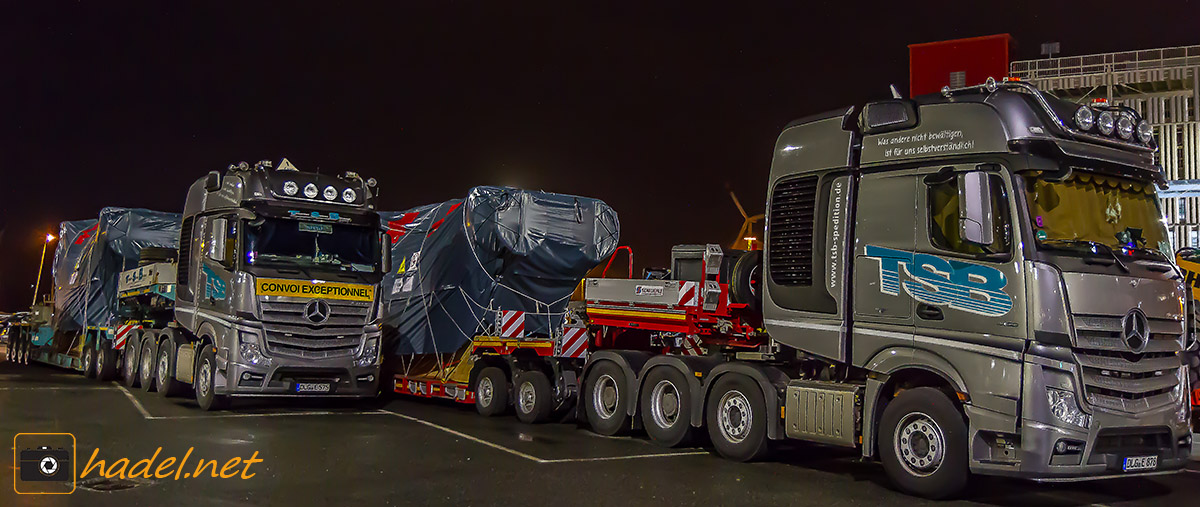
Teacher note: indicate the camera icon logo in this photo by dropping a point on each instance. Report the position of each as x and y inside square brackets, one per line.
[46, 463]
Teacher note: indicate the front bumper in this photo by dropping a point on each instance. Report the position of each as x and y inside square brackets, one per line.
[279, 375]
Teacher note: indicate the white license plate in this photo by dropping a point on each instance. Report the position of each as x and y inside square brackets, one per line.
[312, 387]
[1133, 463]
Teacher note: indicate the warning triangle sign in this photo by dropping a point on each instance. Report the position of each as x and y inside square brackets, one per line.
[286, 165]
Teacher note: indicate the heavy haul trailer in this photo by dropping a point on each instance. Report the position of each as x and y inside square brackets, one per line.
[477, 307]
[272, 291]
[1025, 321]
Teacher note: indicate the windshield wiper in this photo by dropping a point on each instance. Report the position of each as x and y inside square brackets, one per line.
[1096, 247]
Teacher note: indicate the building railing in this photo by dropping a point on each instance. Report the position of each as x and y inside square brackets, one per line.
[1103, 63]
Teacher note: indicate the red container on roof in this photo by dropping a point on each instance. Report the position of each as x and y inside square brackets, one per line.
[957, 63]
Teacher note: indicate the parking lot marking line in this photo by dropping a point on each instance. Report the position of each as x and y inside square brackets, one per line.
[278, 414]
[460, 434]
[617, 458]
[1192, 471]
[53, 388]
[135, 401]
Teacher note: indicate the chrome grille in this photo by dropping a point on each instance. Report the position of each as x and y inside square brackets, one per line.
[1115, 377]
[289, 333]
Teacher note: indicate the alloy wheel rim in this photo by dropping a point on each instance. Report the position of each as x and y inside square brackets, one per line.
[605, 396]
[734, 416]
[205, 377]
[664, 404]
[147, 364]
[485, 391]
[920, 444]
[527, 397]
[162, 368]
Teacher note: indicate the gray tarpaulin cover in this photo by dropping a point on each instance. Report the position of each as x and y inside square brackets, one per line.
[93, 253]
[457, 263]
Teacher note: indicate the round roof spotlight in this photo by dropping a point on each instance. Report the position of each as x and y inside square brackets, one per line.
[371, 182]
[1106, 122]
[290, 188]
[1125, 126]
[310, 191]
[1085, 118]
[330, 193]
[1145, 132]
[349, 195]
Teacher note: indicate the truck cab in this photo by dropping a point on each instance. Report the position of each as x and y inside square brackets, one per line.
[277, 287]
[991, 264]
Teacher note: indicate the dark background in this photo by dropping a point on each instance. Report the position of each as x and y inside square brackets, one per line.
[653, 109]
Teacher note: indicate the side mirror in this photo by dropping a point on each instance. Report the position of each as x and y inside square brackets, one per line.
[212, 182]
[216, 251]
[975, 220]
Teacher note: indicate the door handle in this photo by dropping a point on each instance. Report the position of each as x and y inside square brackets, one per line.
[929, 312]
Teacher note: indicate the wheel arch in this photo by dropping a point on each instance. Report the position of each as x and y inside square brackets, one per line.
[904, 368]
[688, 366]
[630, 362]
[767, 377]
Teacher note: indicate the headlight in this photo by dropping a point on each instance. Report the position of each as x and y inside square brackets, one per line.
[252, 355]
[349, 195]
[1125, 127]
[310, 191]
[1106, 123]
[330, 193]
[1085, 118]
[1065, 408]
[370, 352]
[1145, 132]
[290, 188]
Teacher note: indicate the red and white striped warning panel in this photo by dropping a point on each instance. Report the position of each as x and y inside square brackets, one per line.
[691, 346]
[689, 294]
[574, 342]
[123, 333]
[511, 324]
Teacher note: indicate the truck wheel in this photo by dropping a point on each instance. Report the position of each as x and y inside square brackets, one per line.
[532, 397]
[89, 361]
[666, 407]
[106, 363]
[146, 374]
[164, 370]
[737, 418]
[491, 392]
[205, 381]
[129, 360]
[746, 280]
[604, 401]
[923, 443]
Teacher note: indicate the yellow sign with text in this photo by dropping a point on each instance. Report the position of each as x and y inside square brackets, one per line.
[308, 289]
[1191, 273]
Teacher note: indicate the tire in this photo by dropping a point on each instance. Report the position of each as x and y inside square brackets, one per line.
[106, 363]
[924, 420]
[491, 392]
[205, 381]
[746, 280]
[736, 416]
[89, 361]
[130, 360]
[604, 401]
[147, 363]
[164, 369]
[666, 407]
[533, 398]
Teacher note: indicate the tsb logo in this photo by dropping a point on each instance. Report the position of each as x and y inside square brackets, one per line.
[959, 285]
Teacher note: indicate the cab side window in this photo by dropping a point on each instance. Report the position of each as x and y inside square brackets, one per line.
[944, 222]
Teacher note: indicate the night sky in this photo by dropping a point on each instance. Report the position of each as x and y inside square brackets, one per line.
[654, 110]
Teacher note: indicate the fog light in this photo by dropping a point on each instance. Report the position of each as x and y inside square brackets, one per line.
[1068, 447]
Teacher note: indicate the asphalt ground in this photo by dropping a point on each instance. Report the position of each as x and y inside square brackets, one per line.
[417, 452]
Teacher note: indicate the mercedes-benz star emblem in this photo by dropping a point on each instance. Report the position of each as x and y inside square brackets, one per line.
[316, 311]
[1135, 330]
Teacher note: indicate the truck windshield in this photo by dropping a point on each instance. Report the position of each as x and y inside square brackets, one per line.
[340, 247]
[1090, 212]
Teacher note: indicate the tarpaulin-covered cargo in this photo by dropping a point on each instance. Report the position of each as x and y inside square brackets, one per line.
[457, 264]
[91, 256]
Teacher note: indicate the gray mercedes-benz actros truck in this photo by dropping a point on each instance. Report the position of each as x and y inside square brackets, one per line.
[273, 291]
[977, 281]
